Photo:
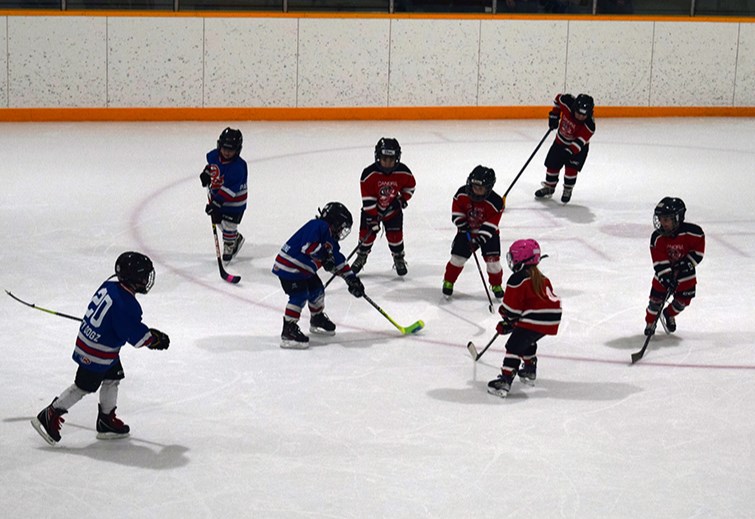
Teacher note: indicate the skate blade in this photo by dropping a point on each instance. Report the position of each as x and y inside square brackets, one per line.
[501, 393]
[41, 430]
[112, 435]
[527, 382]
[321, 331]
[293, 345]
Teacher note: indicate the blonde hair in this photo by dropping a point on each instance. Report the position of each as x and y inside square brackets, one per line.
[538, 281]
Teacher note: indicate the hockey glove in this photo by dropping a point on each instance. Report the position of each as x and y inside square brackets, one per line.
[478, 241]
[684, 265]
[668, 282]
[205, 177]
[504, 327]
[463, 228]
[373, 224]
[160, 340]
[329, 263]
[213, 210]
[403, 202]
[553, 120]
[356, 288]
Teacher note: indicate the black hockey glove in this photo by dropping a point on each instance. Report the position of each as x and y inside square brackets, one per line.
[477, 242]
[329, 263]
[504, 327]
[463, 228]
[553, 120]
[403, 202]
[373, 224]
[213, 210]
[668, 282]
[356, 288]
[160, 340]
[205, 177]
[684, 265]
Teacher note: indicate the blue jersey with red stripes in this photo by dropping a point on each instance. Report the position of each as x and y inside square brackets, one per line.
[113, 318]
[229, 183]
[302, 255]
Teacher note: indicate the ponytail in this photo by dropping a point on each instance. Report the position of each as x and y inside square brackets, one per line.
[538, 281]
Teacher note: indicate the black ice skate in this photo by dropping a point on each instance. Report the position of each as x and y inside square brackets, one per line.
[320, 323]
[545, 192]
[668, 322]
[48, 422]
[292, 337]
[649, 329]
[231, 249]
[528, 372]
[359, 263]
[400, 264]
[110, 427]
[497, 291]
[566, 195]
[448, 289]
[501, 386]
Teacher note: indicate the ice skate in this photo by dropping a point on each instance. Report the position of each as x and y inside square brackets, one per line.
[501, 386]
[668, 322]
[320, 323]
[231, 249]
[292, 337]
[528, 372]
[448, 289]
[649, 329]
[400, 264]
[497, 291]
[110, 427]
[566, 195]
[359, 262]
[48, 423]
[544, 192]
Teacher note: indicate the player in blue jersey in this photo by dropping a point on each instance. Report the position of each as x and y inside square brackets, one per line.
[225, 176]
[313, 246]
[113, 318]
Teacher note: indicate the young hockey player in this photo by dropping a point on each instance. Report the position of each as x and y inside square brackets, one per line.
[113, 318]
[225, 176]
[676, 248]
[312, 246]
[387, 185]
[476, 211]
[576, 126]
[530, 310]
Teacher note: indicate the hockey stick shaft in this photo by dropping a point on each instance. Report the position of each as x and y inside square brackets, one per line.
[53, 312]
[412, 328]
[333, 276]
[479, 269]
[223, 274]
[473, 351]
[539, 144]
[637, 356]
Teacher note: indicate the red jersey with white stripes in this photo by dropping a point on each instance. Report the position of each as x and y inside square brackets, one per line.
[572, 134]
[526, 309]
[381, 192]
[481, 216]
[667, 251]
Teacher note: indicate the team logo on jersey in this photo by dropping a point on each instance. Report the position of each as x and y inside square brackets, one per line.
[386, 194]
[675, 252]
[475, 217]
[216, 178]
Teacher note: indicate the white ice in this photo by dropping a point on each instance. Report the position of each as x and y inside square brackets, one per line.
[370, 423]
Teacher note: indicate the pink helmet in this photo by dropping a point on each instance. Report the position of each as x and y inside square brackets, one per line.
[523, 252]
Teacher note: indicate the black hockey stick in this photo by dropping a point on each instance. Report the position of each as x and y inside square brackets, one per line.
[637, 356]
[53, 312]
[473, 350]
[525, 166]
[412, 328]
[333, 276]
[223, 274]
[479, 269]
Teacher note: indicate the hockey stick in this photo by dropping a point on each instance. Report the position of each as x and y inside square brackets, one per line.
[525, 166]
[473, 350]
[412, 328]
[479, 269]
[223, 274]
[53, 312]
[637, 356]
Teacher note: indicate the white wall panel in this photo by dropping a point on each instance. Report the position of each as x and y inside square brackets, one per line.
[434, 62]
[3, 62]
[610, 61]
[744, 89]
[155, 62]
[693, 64]
[250, 62]
[56, 61]
[522, 62]
[343, 62]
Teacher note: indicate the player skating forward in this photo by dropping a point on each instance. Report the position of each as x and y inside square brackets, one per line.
[576, 126]
[387, 185]
[476, 211]
[676, 247]
[314, 245]
[530, 310]
[226, 177]
[113, 318]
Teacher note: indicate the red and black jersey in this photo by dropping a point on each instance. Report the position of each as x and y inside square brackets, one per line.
[524, 308]
[574, 135]
[687, 245]
[381, 192]
[480, 217]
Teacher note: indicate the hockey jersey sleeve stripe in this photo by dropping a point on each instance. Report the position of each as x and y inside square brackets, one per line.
[144, 341]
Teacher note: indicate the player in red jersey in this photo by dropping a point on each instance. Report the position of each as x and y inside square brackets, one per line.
[476, 211]
[676, 247]
[576, 126]
[387, 185]
[530, 310]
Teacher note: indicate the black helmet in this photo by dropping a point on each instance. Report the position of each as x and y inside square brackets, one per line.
[135, 270]
[387, 147]
[673, 208]
[480, 176]
[583, 105]
[231, 139]
[338, 218]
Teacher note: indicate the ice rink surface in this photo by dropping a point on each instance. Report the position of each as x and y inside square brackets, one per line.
[370, 423]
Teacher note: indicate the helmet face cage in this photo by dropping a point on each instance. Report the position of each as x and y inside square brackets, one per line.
[135, 270]
[480, 176]
[521, 253]
[338, 219]
[231, 139]
[389, 148]
[670, 207]
[584, 105]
